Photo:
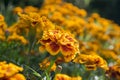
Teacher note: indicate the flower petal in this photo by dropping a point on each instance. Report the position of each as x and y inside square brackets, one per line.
[67, 50]
[52, 48]
[68, 58]
[44, 41]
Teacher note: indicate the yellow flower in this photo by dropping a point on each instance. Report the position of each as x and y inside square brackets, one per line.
[46, 63]
[17, 10]
[57, 40]
[118, 62]
[2, 37]
[46, 24]
[1, 18]
[66, 77]
[81, 12]
[32, 19]
[62, 77]
[16, 37]
[42, 49]
[46, 2]
[57, 18]
[95, 16]
[29, 9]
[91, 61]
[108, 54]
[16, 77]
[8, 70]
[114, 72]
[3, 27]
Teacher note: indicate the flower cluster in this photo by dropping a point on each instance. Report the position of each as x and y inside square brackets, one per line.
[10, 72]
[59, 34]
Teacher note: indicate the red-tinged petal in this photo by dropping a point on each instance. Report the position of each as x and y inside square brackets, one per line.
[52, 48]
[67, 50]
[70, 38]
[45, 41]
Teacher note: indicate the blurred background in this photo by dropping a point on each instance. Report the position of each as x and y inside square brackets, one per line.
[109, 9]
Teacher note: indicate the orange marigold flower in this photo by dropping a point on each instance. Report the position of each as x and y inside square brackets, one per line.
[17, 77]
[109, 54]
[52, 2]
[32, 19]
[42, 49]
[95, 16]
[66, 77]
[91, 61]
[57, 40]
[3, 27]
[29, 9]
[61, 77]
[17, 10]
[2, 37]
[1, 18]
[17, 37]
[46, 63]
[8, 70]
[46, 24]
[114, 72]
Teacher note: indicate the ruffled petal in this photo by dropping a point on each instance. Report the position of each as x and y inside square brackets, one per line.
[67, 50]
[52, 48]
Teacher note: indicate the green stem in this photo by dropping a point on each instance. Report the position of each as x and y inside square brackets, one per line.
[49, 68]
[47, 75]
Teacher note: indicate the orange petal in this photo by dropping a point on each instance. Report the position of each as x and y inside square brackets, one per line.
[68, 58]
[67, 50]
[52, 48]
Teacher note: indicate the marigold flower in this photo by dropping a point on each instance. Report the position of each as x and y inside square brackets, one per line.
[29, 9]
[32, 19]
[16, 77]
[2, 37]
[95, 16]
[46, 24]
[17, 10]
[8, 70]
[3, 27]
[16, 37]
[66, 77]
[108, 54]
[1, 18]
[57, 17]
[118, 62]
[52, 2]
[91, 61]
[114, 72]
[42, 49]
[46, 63]
[62, 77]
[57, 40]
[81, 12]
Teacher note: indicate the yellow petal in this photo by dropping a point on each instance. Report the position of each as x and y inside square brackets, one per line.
[67, 50]
[52, 48]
